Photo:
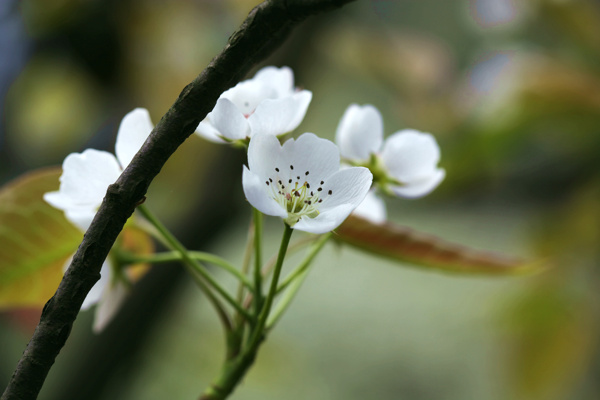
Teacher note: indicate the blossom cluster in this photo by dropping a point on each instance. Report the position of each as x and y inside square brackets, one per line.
[309, 182]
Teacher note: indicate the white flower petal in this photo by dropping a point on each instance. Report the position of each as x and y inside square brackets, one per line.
[372, 209]
[258, 196]
[81, 218]
[360, 132]
[419, 188]
[57, 200]
[279, 116]
[84, 180]
[326, 221]
[133, 132]
[113, 297]
[95, 294]
[309, 153]
[410, 155]
[247, 95]
[227, 119]
[209, 132]
[347, 186]
[280, 79]
[264, 154]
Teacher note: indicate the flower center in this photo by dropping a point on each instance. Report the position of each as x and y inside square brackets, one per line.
[296, 195]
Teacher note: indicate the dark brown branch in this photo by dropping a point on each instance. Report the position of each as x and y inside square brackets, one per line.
[265, 28]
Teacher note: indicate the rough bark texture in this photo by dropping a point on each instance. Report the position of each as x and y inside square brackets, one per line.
[265, 28]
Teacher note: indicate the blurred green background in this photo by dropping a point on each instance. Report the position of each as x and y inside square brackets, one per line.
[511, 90]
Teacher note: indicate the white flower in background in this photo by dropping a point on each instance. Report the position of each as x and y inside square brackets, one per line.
[372, 209]
[301, 182]
[87, 175]
[83, 184]
[406, 163]
[268, 103]
[108, 293]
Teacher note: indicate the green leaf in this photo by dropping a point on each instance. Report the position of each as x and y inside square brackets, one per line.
[35, 240]
[421, 250]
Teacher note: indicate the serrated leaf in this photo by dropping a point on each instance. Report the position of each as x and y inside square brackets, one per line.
[35, 240]
[427, 251]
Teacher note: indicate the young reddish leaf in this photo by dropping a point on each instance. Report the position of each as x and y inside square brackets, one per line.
[35, 240]
[422, 250]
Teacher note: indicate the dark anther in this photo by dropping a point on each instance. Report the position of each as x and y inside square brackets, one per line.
[270, 180]
[279, 181]
[277, 169]
[330, 192]
[267, 182]
[320, 200]
[312, 194]
[307, 185]
[322, 182]
[297, 194]
[290, 181]
[291, 167]
[306, 173]
[319, 189]
[309, 202]
[298, 177]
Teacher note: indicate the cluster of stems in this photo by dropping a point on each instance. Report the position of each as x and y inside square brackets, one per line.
[247, 317]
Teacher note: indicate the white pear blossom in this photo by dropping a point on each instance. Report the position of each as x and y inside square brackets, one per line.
[301, 182]
[83, 184]
[87, 175]
[268, 103]
[406, 163]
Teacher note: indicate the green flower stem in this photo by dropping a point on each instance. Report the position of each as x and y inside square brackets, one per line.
[246, 261]
[190, 262]
[293, 248]
[268, 268]
[170, 256]
[294, 280]
[303, 266]
[258, 333]
[258, 224]
[234, 369]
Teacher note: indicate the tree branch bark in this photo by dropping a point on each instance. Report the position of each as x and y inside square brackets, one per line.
[265, 28]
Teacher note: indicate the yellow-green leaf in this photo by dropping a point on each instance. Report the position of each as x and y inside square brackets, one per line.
[421, 250]
[35, 240]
